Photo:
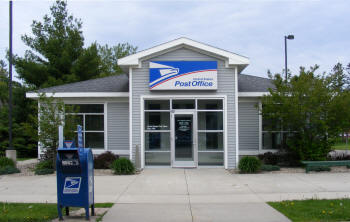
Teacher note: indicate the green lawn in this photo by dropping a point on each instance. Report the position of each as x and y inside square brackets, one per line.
[33, 212]
[341, 146]
[314, 210]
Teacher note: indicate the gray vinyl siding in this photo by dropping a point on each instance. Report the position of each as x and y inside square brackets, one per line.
[248, 126]
[226, 86]
[118, 125]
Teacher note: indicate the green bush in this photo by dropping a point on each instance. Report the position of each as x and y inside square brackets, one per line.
[44, 167]
[44, 164]
[104, 160]
[44, 171]
[4, 161]
[123, 166]
[269, 158]
[267, 167]
[319, 168]
[249, 164]
[8, 170]
[348, 166]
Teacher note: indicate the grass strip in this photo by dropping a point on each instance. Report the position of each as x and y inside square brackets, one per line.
[33, 212]
[314, 210]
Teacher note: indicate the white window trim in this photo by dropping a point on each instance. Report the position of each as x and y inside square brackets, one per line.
[105, 132]
[170, 97]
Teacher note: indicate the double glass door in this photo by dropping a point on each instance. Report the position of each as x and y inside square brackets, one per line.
[184, 149]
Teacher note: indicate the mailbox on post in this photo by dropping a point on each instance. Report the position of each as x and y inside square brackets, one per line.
[75, 180]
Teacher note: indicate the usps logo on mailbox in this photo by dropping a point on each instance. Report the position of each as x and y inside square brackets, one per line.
[183, 75]
[72, 185]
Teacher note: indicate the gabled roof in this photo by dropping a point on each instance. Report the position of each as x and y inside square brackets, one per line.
[229, 57]
[118, 86]
[249, 83]
[116, 83]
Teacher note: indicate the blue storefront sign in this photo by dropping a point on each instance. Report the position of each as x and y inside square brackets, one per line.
[183, 75]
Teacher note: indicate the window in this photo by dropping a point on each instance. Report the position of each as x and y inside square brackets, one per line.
[210, 132]
[209, 114]
[157, 132]
[183, 104]
[91, 118]
[273, 134]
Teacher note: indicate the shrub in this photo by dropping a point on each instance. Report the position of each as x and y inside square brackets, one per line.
[44, 167]
[267, 167]
[348, 166]
[104, 160]
[44, 171]
[289, 159]
[249, 164]
[269, 158]
[123, 166]
[8, 170]
[319, 168]
[4, 161]
[45, 164]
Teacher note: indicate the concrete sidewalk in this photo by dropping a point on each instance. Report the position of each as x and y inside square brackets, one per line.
[189, 195]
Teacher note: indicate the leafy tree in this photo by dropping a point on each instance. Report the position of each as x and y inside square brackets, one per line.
[313, 107]
[110, 55]
[56, 54]
[51, 114]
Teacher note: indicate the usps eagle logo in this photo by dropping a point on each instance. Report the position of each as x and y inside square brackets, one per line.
[183, 75]
[72, 185]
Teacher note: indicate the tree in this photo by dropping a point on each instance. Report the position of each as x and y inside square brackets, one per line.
[56, 54]
[51, 114]
[314, 108]
[24, 141]
[110, 55]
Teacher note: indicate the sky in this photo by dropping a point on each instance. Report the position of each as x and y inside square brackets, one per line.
[252, 28]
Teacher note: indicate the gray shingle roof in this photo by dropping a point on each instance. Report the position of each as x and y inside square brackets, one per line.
[120, 83]
[116, 83]
[248, 83]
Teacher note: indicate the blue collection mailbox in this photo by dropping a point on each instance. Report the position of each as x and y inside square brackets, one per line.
[75, 180]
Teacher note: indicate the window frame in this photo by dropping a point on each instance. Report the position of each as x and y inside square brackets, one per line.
[262, 131]
[104, 131]
[223, 110]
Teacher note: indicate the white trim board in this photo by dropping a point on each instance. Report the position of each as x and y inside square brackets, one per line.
[130, 113]
[36, 95]
[252, 94]
[232, 58]
[236, 117]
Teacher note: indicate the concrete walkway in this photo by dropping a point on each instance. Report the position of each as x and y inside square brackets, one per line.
[188, 195]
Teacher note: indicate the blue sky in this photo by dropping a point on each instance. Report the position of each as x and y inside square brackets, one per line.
[252, 28]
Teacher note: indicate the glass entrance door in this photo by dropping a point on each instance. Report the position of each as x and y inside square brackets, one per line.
[183, 140]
